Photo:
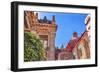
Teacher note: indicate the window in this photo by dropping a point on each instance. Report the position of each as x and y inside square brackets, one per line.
[44, 40]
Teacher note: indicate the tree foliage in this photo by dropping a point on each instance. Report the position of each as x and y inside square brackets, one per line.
[33, 48]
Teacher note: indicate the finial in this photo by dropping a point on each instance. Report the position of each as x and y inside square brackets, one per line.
[53, 18]
[37, 15]
[75, 34]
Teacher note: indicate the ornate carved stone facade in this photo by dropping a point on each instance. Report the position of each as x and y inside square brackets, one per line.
[82, 48]
[45, 29]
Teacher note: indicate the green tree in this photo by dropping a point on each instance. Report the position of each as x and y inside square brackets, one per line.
[33, 48]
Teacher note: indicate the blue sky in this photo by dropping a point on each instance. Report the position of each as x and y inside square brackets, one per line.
[67, 24]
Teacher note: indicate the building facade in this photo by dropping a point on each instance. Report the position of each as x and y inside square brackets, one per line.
[82, 48]
[45, 29]
[67, 53]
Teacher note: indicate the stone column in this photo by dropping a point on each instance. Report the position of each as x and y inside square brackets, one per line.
[51, 43]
